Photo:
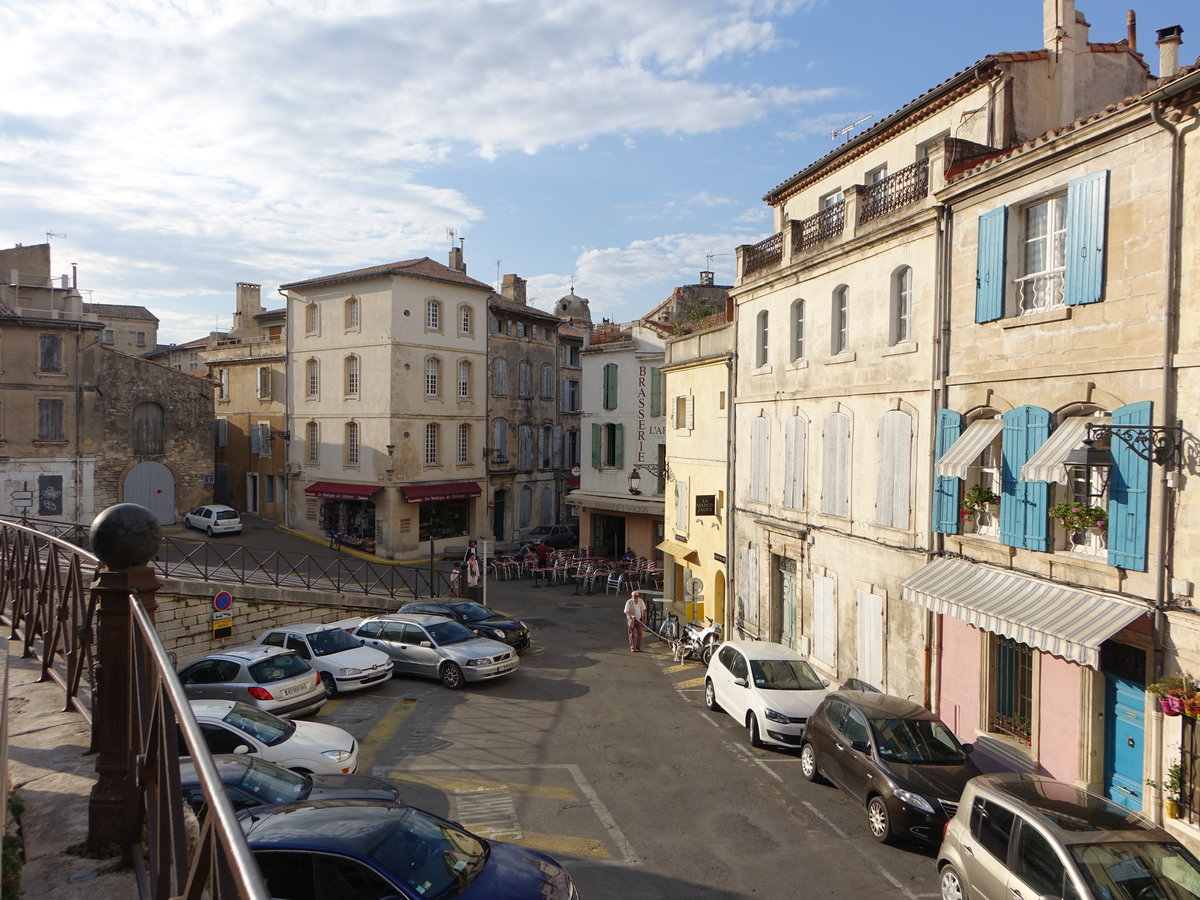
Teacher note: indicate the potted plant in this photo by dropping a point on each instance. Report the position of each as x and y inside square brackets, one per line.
[1078, 517]
[975, 499]
[1171, 788]
[1174, 691]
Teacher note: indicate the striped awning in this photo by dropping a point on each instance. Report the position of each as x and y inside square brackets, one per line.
[1059, 620]
[633, 505]
[964, 452]
[1046, 463]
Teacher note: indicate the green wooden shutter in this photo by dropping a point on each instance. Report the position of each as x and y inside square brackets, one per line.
[610, 386]
[596, 445]
[656, 386]
[1129, 494]
[1087, 217]
[990, 260]
[619, 445]
[945, 487]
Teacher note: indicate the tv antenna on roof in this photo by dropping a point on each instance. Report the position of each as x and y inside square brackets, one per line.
[710, 256]
[452, 234]
[53, 234]
[834, 135]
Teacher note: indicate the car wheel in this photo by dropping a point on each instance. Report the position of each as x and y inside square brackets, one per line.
[302, 771]
[451, 676]
[952, 886]
[209, 530]
[710, 696]
[330, 684]
[706, 654]
[879, 820]
[755, 738]
[808, 763]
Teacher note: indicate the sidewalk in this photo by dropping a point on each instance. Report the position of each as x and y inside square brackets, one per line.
[49, 771]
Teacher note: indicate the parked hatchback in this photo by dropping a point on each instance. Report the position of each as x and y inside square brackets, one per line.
[251, 782]
[214, 520]
[271, 678]
[769, 688]
[1020, 835]
[556, 536]
[344, 663]
[436, 647]
[894, 757]
[231, 727]
[483, 620]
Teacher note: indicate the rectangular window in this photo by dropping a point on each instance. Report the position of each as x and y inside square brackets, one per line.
[352, 376]
[571, 452]
[840, 321]
[1012, 693]
[1043, 248]
[107, 337]
[548, 382]
[431, 445]
[464, 379]
[222, 433]
[571, 396]
[464, 320]
[610, 386]
[50, 421]
[223, 389]
[824, 636]
[50, 353]
[464, 444]
[313, 437]
[433, 315]
[141, 339]
[351, 448]
[264, 382]
[572, 355]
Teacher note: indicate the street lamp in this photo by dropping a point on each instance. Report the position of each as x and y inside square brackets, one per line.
[635, 480]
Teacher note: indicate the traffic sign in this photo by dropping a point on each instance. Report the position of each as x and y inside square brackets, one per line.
[222, 601]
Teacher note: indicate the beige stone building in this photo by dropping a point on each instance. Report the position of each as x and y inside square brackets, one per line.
[842, 364]
[387, 406]
[133, 330]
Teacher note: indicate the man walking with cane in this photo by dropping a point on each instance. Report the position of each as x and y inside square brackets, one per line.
[635, 621]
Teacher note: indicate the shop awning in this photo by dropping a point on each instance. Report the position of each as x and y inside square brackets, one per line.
[1059, 620]
[333, 490]
[1046, 463]
[610, 503]
[450, 490]
[965, 452]
[681, 552]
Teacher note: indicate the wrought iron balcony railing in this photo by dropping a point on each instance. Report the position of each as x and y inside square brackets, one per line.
[824, 226]
[763, 255]
[900, 189]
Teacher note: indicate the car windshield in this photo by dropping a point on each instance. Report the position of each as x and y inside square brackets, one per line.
[269, 729]
[1138, 870]
[332, 640]
[274, 784]
[474, 612]
[784, 675]
[918, 741]
[449, 633]
[277, 668]
[432, 857]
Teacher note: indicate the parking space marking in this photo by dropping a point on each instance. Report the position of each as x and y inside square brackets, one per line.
[385, 726]
[748, 756]
[690, 683]
[475, 786]
[491, 815]
[828, 822]
[558, 844]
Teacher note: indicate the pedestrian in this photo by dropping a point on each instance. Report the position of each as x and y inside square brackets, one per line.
[471, 564]
[455, 580]
[635, 621]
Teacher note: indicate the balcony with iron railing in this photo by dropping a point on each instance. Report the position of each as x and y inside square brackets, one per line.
[817, 229]
[898, 190]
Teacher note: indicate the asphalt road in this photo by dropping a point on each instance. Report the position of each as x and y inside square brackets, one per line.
[610, 762]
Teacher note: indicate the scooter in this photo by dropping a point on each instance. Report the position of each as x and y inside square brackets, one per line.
[698, 641]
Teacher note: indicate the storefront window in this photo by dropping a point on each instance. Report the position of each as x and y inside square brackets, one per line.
[446, 518]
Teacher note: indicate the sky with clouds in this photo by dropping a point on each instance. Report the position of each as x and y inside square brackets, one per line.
[173, 148]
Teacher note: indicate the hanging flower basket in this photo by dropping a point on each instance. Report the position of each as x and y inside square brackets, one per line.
[1076, 518]
[1171, 706]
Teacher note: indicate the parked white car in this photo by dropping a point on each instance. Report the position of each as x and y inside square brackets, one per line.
[214, 519]
[769, 688]
[230, 726]
[344, 663]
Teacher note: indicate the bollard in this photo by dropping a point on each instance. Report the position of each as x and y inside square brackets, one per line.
[125, 538]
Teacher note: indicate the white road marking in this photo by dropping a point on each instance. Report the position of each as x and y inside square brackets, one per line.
[750, 757]
[824, 818]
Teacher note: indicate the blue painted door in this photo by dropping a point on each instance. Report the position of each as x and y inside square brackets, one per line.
[1125, 727]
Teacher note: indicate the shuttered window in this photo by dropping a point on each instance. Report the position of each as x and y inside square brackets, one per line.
[656, 389]
[556, 452]
[149, 423]
[500, 440]
[222, 435]
[525, 509]
[894, 469]
[1087, 219]
[824, 636]
[525, 447]
[681, 505]
[500, 378]
[610, 386]
[50, 353]
[1128, 494]
[548, 381]
[795, 435]
[50, 421]
[760, 459]
[989, 265]
[525, 379]
[1024, 505]
[945, 487]
[835, 465]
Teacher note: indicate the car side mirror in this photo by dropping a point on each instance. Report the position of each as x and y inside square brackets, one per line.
[243, 749]
[428, 644]
[741, 682]
[824, 683]
[968, 748]
[860, 746]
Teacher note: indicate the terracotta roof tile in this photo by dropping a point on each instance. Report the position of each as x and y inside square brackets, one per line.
[412, 268]
[119, 311]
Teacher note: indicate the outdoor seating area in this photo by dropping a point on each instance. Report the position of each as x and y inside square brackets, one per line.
[586, 572]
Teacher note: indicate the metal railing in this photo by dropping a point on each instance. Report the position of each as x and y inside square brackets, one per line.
[904, 187]
[816, 229]
[100, 644]
[764, 254]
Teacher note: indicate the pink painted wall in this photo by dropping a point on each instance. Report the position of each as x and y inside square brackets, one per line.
[1058, 726]
[958, 680]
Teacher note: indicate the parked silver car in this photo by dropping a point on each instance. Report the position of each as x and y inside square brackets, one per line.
[276, 680]
[437, 648]
[1025, 836]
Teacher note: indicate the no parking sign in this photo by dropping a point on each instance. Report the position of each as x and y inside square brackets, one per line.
[222, 626]
[222, 601]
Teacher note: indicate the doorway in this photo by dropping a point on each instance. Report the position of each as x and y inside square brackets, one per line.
[498, 501]
[1124, 669]
[151, 484]
[608, 536]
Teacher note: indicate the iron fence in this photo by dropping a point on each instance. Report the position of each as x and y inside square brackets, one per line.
[99, 643]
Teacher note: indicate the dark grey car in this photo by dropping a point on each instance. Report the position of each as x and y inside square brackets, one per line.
[273, 679]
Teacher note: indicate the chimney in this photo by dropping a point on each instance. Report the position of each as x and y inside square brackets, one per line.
[706, 279]
[513, 288]
[456, 260]
[1168, 42]
[1131, 28]
[248, 305]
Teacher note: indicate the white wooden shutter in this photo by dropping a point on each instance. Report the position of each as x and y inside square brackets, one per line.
[691, 411]
[870, 638]
[824, 643]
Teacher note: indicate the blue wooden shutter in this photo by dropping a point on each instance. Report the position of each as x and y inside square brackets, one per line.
[989, 272]
[1128, 495]
[1023, 504]
[596, 445]
[1087, 216]
[619, 445]
[945, 488]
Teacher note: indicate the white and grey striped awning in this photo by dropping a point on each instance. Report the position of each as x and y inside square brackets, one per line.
[963, 453]
[1046, 463]
[1059, 620]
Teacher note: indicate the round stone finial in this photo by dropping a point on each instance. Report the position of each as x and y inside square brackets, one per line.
[125, 535]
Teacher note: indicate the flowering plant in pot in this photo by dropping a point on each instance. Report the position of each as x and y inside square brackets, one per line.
[1171, 788]
[1076, 517]
[1174, 691]
[976, 498]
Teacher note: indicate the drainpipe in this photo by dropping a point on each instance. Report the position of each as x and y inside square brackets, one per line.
[730, 585]
[288, 424]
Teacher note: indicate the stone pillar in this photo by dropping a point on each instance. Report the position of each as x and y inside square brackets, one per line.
[125, 537]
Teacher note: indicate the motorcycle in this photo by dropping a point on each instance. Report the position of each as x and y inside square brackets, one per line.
[698, 641]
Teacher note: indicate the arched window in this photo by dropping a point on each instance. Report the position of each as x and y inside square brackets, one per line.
[500, 377]
[761, 335]
[352, 380]
[464, 378]
[433, 376]
[312, 378]
[839, 320]
[432, 450]
[835, 465]
[312, 435]
[797, 342]
[350, 446]
[894, 469]
[433, 315]
[901, 318]
[148, 422]
[351, 313]
[312, 319]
